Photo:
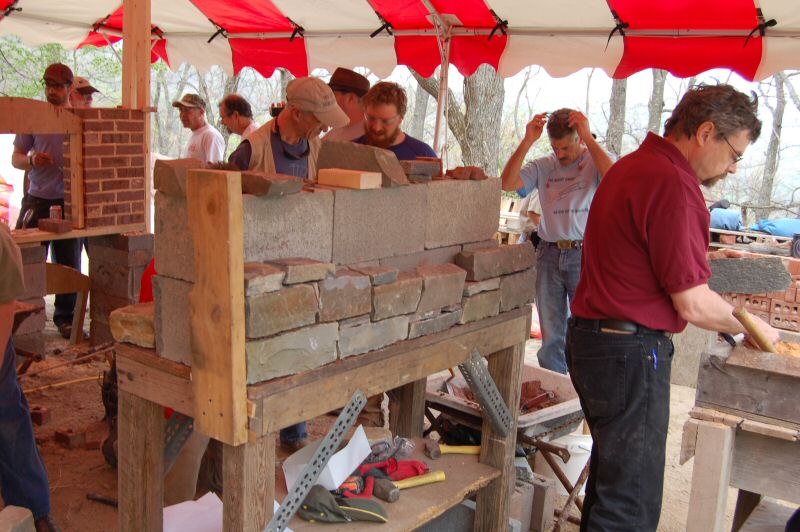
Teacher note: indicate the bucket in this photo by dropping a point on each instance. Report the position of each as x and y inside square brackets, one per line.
[580, 448]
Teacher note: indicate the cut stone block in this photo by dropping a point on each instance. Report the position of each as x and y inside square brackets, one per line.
[344, 295]
[472, 246]
[355, 179]
[300, 270]
[749, 275]
[373, 224]
[352, 156]
[476, 287]
[429, 256]
[291, 352]
[298, 225]
[172, 320]
[517, 289]
[260, 278]
[169, 176]
[442, 285]
[36, 321]
[496, 261]
[134, 324]
[480, 306]
[259, 184]
[433, 325]
[377, 274]
[362, 336]
[273, 312]
[422, 168]
[461, 211]
[16, 519]
[399, 297]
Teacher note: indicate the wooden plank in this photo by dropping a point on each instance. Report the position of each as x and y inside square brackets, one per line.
[217, 305]
[142, 373]
[249, 485]
[777, 363]
[710, 477]
[21, 115]
[688, 440]
[769, 516]
[768, 466]
[293, 399]
[407, 409]
[492, 503]
[37, 236]
[140, 469]
[77, 211]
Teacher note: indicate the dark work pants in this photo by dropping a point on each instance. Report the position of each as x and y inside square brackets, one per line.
[66, 252]
[23, 478]
[622, 382]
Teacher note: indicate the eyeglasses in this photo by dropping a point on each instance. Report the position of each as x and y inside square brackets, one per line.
[384, 121]
[737, 157]
[54, 85]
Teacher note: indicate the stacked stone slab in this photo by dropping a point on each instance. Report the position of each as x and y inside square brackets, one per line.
[28, 336]
[116, 265]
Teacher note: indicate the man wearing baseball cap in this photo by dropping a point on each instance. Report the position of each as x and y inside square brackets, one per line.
[206, 143]
[42, 158]
[349, 88]
[82, 94]
[289, 144]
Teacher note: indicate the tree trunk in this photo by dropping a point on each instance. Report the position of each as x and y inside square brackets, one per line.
[616, 119]
[655, 107]
[416, 126]
[286, 77]
[773, 148]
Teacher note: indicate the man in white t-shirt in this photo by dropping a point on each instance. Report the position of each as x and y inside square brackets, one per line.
[206, 143]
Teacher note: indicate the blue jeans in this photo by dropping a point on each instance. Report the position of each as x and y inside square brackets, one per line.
[23, 478]
[557, 274]
[294, 433]
[622, 382]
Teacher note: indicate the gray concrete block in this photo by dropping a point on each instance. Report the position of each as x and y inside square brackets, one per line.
[749, 275]
[260, 278]
[273, 312]
[300, 270]
[472, 246]
[172, 245]
[442, 322]
[120, 257]
[169, 176]
[116, 279]
[379, 223]
[461, 211]
[361, 336]
[32, 254]
[32, 343]
[352, 156]
[476, 287]
[35, 280]
[36, 321]
[517, 289]
[399, 297]
[101, 304]
[291, 352]
[422, 258]
[172, 319]
[442, 285]
[496, 261]
[480, 306]
[16, 519]
[132, 241]
[543, 504]
[344, 295]
[378, 275]
[689, 344]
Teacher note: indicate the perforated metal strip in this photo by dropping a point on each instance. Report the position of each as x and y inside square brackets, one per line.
[176, 432]
[488, 396]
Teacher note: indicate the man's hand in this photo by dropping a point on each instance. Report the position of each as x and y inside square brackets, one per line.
[534, 129]
[771, 333]
[580, 123]
[41, 158]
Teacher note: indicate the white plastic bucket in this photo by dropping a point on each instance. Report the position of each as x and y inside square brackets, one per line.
[580, 448]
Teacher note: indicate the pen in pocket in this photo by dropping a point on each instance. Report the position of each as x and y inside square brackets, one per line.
[655, 358]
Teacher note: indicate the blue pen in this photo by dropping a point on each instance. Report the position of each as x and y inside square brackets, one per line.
[655, 358]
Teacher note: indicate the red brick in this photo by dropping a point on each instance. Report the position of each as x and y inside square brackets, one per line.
[784, 322]
[129, 149]
[131, 195]
[91, 162]
[114, 162]
[137, 183]
[98, 150]
[130, 126]
[70, 439]
[137, 206]
[89, 187]
[727, 239]
[115, 184]
[137, 161]
[116, 208]
[100, 222]
[115, 138]
[39, 414]
[98, 174]
[115, 114]
[87, 114]
[137, 114]
[101, 198]
[793, 265]
[92, 125]
[90, 138]
[790, 294]
[124, 219]
[758, 303]
[137, 138]
[130, 172]
[94, 211]
[785, 308]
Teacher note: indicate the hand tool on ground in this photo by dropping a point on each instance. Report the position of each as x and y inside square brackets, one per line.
[752, 329]
[486, 393]
[536, 400]
[329, 445]
[102, 499]
[560, 450]
[385, 490]
[420, 480]
[434, 449]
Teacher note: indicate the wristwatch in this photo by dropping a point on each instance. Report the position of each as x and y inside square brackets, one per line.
[30, 159]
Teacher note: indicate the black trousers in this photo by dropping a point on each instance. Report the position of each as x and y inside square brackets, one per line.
[622, 382]
[66, 252]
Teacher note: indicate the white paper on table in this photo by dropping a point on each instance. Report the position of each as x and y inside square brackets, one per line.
[339, 467]
[202, 515]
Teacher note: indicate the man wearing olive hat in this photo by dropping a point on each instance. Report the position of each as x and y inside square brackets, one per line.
[349, 88]
[206, 143]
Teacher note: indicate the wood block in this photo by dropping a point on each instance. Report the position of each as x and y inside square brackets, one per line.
[39, 414]
[70, 439]
[54, 225]
[355, 179]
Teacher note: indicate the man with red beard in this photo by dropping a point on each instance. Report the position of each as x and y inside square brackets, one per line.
[385, 106]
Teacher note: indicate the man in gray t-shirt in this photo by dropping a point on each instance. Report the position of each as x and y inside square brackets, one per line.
[566, 181]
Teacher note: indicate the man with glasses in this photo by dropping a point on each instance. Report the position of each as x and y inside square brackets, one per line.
[566, 180]
[385, 108]
[349, 88]
[236, 115]
[644, 276]
[206, 143]
[42, 158]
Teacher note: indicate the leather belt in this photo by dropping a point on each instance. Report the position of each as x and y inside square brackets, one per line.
[616, 327]
[565, 244]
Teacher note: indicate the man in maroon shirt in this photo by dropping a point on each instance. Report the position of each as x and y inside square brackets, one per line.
[644, 276]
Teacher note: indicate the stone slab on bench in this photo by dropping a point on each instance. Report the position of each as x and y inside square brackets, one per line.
[491, 262]
[291, 352]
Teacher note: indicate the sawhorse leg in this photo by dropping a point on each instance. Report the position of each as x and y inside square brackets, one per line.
[491, 511]
[407, 409]
[140, 466]
[710, 477]
[249, 479]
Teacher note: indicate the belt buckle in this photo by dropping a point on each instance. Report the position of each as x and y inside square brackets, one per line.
[564, 244]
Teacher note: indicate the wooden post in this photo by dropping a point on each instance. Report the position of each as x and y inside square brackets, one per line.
[219, 374]
[492, 504]
[407, 409]
[141, 464]
[249, 480]
[710, 477]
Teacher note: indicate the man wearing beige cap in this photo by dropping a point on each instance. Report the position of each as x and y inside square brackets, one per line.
[82, 94]
[349, 88]
[206, 143]
[289, 144]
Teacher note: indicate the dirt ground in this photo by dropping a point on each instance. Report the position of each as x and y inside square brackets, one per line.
[74, 473]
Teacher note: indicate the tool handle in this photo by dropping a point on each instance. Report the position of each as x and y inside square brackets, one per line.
[459, 449]
[744, 317]
[420, 480]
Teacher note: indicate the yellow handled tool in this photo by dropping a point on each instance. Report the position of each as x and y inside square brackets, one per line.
[421, 480]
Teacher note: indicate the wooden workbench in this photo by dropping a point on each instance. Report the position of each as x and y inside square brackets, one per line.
[147, 383]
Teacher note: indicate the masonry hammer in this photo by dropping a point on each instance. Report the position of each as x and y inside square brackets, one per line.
[434, 449]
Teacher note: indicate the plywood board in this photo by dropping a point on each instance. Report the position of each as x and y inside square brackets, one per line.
[21, 115]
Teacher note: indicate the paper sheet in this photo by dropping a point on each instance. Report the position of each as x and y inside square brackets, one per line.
[339, 467]
[202, 515]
